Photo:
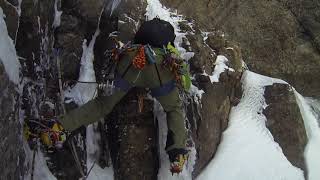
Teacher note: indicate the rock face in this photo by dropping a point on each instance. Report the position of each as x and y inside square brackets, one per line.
[279, 38]
[285, 123]
[209, 116]
[215, 107]
[13, 156]
[12, 163]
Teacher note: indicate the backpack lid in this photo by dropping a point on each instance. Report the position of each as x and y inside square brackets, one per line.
[157, 33]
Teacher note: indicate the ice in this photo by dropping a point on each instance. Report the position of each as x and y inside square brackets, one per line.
[81, 93]
[315, 105]
[248, 150]
[312, 150]
[8, 54]
[112, 6]
[57, 15]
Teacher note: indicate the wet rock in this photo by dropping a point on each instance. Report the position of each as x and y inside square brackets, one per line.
[71, 52]
[11, 149]
[217, 41]
[90, 10]
[285, 123]
[13, 2]
[69, 23]
[204, 57]
[131, 16]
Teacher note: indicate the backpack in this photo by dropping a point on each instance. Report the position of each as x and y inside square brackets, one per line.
[157, 33]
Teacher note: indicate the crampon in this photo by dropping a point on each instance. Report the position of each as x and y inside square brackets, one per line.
[178, 164]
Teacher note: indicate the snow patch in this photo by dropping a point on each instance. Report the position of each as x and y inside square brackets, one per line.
[248, 150]
[220, 67]
[312, 155]
[196, 93]
[8, 54]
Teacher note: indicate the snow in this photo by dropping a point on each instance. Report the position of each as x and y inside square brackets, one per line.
[41, 171]
[220, 67]
[195, 91]
[81, 93]
[57, 15]
[312, 149]
[8, 54]
[248, 150]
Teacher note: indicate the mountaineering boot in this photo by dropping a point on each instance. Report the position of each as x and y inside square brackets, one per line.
[49, 131]
[178, 158]
[55, 136]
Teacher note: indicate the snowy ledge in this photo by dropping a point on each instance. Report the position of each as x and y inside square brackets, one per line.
[248, 150]
[8, 54]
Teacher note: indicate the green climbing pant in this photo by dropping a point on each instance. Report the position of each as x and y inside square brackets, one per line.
[152, 76]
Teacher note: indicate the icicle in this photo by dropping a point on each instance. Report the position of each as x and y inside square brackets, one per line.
[57, 14]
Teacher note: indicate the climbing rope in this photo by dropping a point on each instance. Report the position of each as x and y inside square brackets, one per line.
[139, 60]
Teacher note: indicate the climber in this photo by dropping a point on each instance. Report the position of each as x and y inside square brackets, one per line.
[150, 62]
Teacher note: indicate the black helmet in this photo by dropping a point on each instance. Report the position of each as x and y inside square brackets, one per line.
[157, 33]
